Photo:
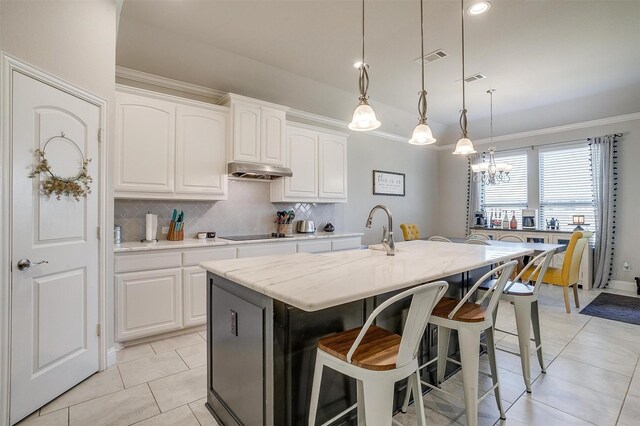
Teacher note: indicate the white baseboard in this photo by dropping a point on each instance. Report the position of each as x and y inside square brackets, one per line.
[622, 285]
[111, 357]
[160, 336]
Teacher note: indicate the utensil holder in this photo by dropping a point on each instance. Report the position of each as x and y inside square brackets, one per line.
[174, 235]
[285, 228]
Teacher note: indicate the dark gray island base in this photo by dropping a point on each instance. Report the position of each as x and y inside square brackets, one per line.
[261, 354]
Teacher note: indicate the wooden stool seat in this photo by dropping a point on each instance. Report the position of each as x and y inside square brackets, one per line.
[517, 289]
[377, 351]
[469, 312]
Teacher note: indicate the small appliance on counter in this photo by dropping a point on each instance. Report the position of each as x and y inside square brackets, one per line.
[529, 218]
[329, 227]
[306, 227]
[481, 220]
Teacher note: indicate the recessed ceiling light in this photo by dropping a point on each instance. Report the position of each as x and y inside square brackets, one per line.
[478, 8]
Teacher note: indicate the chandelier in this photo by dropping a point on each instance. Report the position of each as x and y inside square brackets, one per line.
[491, 173]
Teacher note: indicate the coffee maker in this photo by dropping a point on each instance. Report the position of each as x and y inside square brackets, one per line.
[480, 219]
[529, 218]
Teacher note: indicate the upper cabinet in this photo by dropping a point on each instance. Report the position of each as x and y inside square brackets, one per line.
[169, 148]
[257, 130]
[318, 161]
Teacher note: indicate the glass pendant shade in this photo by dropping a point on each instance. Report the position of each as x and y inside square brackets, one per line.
[364, 119]
[422, 135]
[464, 147]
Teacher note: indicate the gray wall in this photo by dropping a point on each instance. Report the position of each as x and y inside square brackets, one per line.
[452, 188]
[75, 41]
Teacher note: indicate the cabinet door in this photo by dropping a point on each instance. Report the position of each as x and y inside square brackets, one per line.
[332, 167]
[194, 285]
[246, 133]
[148, 303]
[272, 134]
[200, 152]
[145, 144]
[255, 250]
[302, 158]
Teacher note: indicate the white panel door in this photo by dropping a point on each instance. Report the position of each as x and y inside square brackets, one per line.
[194, 285]
[332, 151]
[272, 134]
[200, 152]
[246, 133]
[54, 305]
[148, 302]
[145, 144]
[302, 158]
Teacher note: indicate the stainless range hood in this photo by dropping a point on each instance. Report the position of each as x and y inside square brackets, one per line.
[258, 171]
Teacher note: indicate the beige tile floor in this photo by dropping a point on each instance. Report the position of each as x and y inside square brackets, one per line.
[593, 378]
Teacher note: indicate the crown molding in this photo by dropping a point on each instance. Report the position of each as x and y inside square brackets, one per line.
[551, 130]
[218, 96]
[169, 83]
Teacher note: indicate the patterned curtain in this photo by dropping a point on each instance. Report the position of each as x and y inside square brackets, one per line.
[473, 191]
[604, 169]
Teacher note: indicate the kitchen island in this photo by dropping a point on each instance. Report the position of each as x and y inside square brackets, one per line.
[266, 314]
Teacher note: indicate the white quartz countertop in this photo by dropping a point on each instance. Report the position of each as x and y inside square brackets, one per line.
[312, 282]
[195, 243]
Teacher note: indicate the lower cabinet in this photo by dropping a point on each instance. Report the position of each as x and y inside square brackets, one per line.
[148, 302]
[194, 290]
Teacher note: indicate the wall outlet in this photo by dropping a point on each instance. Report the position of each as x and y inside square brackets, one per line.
[165, 229]
[626, 266]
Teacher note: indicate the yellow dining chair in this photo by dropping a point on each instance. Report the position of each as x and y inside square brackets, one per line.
[567, 276]
[410, 231]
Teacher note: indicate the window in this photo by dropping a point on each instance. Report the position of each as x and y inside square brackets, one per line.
[511, 196]
[566, 185]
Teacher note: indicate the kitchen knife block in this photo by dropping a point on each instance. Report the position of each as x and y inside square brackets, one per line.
[174, 235]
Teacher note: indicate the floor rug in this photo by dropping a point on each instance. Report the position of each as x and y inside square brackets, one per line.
[614, 307]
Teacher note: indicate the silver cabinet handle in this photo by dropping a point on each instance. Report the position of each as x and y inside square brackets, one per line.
[26, 263]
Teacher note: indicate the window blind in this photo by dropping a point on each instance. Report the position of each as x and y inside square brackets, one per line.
[511, 196]
[566, 186]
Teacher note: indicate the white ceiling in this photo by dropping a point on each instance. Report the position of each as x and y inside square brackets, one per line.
[539, 55]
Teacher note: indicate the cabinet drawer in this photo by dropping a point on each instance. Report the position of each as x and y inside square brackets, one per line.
[194, 257]
[346, 244]
[314, 246]
[266, 249]
[146, 261]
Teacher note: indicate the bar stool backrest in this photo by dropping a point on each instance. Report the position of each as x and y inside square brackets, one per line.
[537, 265]
[439, 238]
[478, 236]
[512, 238]
[424, 299]
[477, 242]
[495, 291]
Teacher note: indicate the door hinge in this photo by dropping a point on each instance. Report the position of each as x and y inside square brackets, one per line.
[98, 233]
[99, 135]
[99, 330]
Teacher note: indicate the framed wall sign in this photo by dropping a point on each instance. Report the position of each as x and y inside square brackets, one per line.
[388, 183]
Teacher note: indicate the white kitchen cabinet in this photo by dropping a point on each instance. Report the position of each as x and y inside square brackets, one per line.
[346, 243]
[194, 292]
[169, 148]
[318, 161]
[332, 165]
[257, 131]
[200, 151]
[255, 250]
[148, 302]
[314, 246]
[145, 144]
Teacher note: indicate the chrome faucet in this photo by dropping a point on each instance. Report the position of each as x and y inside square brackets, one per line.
[387, 232]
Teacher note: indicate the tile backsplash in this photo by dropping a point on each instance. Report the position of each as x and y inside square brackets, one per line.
[248, 211]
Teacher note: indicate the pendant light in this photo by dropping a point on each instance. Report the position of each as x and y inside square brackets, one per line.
[422, 134]
[364, 119]
[464, 145]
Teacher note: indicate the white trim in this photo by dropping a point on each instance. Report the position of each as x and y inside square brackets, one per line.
[551, 130]
[9, 65]
[316, 128]
[622, 285]
[217, 96]
[111, 357]
[121, 88]
[234, 97]
[169, 83]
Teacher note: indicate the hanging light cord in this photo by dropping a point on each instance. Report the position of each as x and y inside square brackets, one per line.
[463, 114]
[490, 92]
[363, 80]
[422, 99]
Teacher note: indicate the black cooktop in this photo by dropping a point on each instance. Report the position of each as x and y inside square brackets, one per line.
[256, 237]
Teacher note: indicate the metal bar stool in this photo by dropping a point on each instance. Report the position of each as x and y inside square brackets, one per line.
[469, 319]
[377, 358]
[524, 298]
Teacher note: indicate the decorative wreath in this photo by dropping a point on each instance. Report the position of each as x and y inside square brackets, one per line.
[52, 184]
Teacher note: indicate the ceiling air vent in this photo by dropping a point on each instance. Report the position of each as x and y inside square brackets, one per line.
[433, 56]
[475, 77]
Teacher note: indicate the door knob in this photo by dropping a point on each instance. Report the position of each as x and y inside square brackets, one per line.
[26, 263]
